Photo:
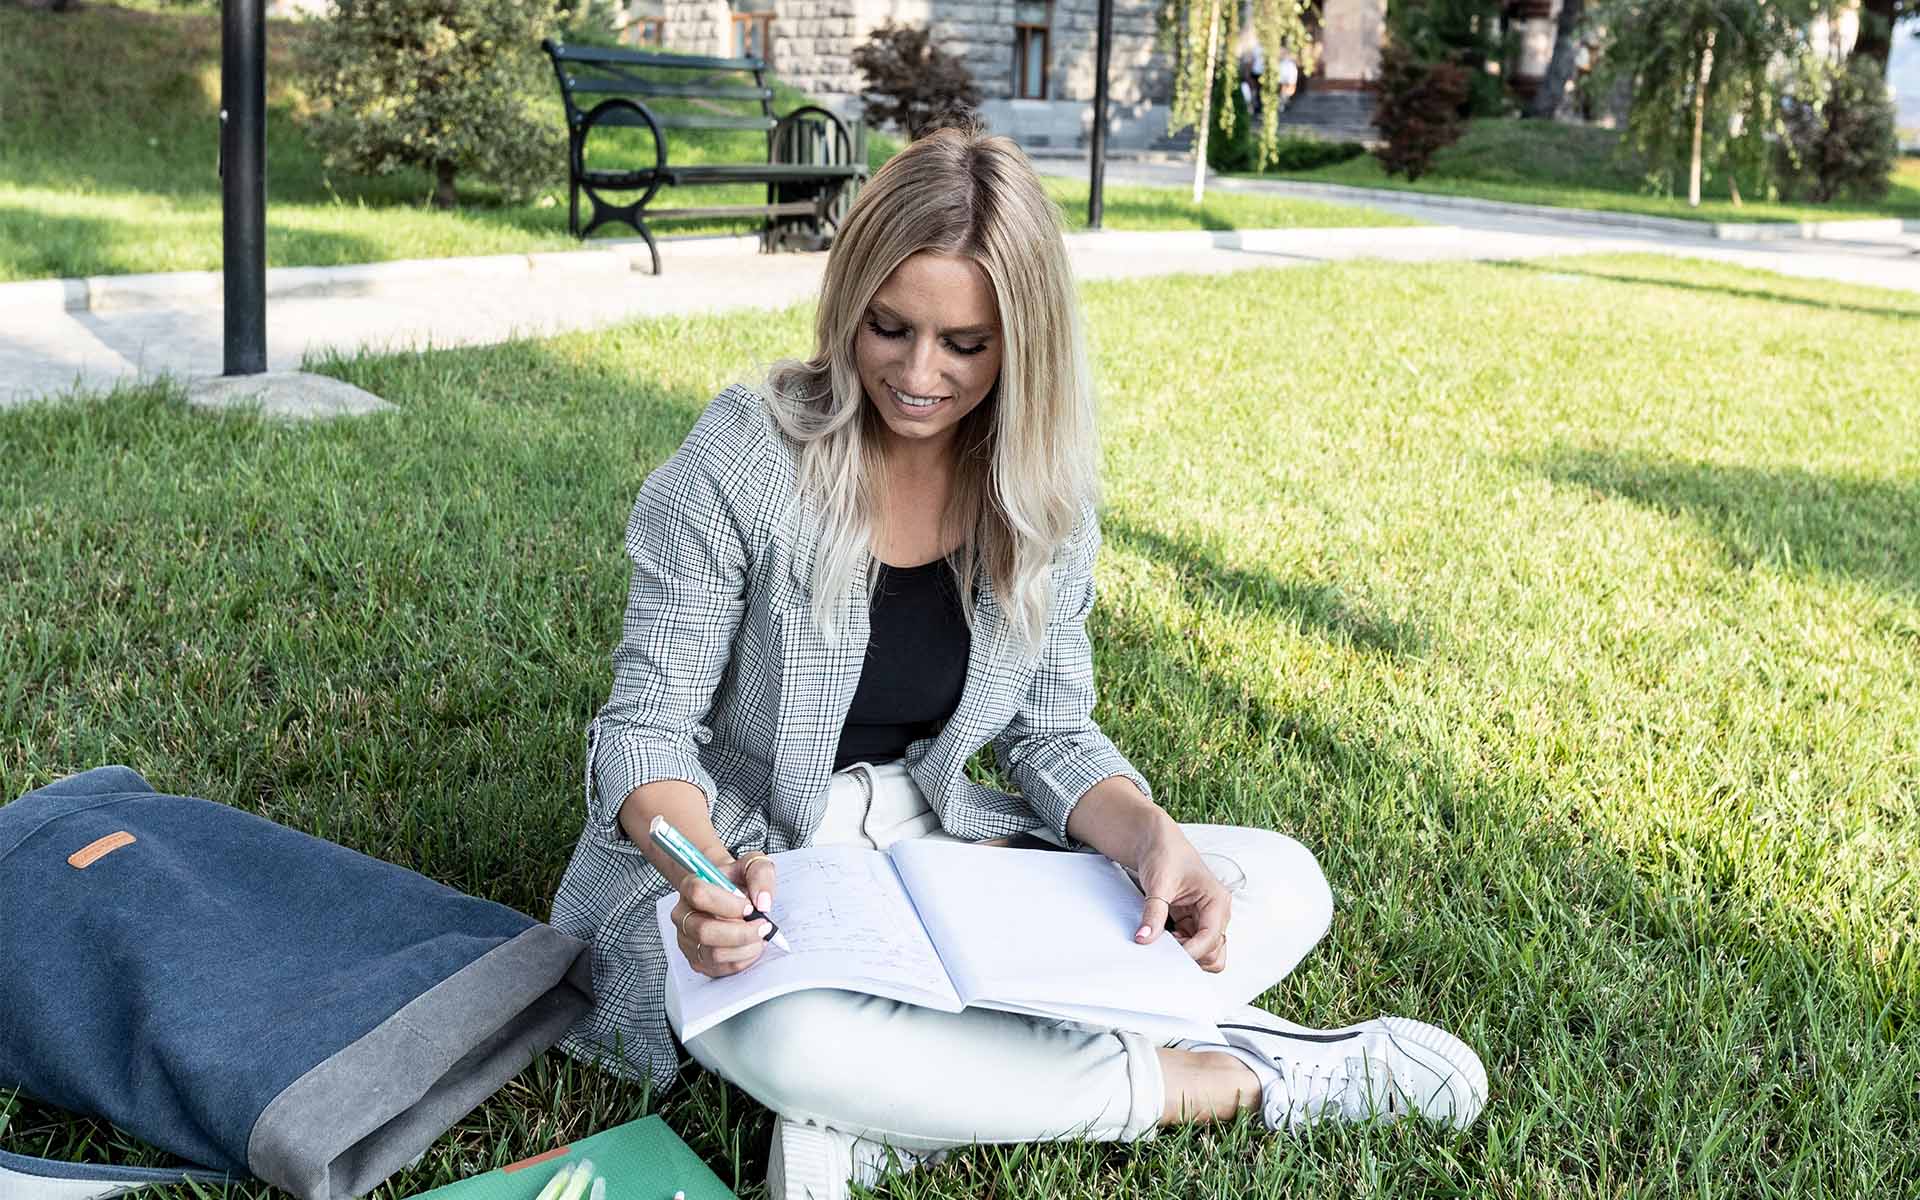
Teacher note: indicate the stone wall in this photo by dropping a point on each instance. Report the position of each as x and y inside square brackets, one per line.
[699, 26]
[813, 42]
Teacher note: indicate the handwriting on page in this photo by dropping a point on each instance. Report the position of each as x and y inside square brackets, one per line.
[851, 906]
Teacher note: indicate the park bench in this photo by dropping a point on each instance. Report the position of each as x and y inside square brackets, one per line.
[813, 164]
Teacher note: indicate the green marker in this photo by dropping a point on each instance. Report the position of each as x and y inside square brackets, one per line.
[684, 852]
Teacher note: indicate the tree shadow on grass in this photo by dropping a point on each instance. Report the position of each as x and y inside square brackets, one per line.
[1787, 517]
[38, 244]
[1321, 608]
[1719, 289]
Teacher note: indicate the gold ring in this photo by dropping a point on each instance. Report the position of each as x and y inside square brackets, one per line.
[681, 924]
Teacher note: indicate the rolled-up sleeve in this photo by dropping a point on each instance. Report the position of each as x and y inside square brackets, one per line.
[1052, 750]
[690, 554]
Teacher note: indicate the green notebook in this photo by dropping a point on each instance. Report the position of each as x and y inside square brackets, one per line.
[641, 1160]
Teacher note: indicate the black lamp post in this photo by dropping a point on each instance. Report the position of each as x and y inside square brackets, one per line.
[243, 182]
[1102, 57]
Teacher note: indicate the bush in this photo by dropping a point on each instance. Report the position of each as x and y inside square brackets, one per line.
[1421, 109]
[910, 81]
[1309, 153]
[1240, 149]
[443, 87]
[1837, 133]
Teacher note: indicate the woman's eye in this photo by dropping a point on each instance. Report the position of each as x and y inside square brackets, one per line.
[895, 334]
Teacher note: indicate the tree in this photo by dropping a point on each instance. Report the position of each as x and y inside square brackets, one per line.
[1566, 47]
[442, 85]
[1878, 18]
[911, 81]
[1420, 109]
[1700, 70]
[1200, 29]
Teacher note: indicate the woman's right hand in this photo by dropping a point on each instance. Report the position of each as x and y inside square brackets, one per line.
[713, 931]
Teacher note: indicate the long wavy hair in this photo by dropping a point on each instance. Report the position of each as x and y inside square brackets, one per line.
[1026, 455]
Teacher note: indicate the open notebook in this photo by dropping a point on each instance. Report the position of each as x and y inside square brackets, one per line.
[952, 925]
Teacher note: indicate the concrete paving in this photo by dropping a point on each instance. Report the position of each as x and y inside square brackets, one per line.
[46, 349]
[1880, 262]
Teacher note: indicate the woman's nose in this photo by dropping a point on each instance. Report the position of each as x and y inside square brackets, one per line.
[922, 376]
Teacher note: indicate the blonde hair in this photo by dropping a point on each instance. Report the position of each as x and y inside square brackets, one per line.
[1027, 458]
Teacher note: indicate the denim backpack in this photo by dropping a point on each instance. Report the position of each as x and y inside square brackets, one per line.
[254, 1000]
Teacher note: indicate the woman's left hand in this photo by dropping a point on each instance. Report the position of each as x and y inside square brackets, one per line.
[1178, 884]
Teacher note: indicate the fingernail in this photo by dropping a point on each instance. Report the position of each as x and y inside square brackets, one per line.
[1141, 934]
[764, 900]
[746, 910]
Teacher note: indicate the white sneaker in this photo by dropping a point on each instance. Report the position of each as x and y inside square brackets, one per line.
[812, 1162]
[1381, 1069]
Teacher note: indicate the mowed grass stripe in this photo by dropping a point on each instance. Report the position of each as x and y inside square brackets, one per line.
[1570, 612]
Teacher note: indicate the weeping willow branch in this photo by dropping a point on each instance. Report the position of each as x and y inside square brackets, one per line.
[1278, 27]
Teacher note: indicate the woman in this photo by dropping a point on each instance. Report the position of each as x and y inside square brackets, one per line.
[842, 589]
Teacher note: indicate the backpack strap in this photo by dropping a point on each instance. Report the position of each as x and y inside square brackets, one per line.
[25, 1178]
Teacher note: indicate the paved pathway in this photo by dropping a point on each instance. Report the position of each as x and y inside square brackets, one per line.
[44, 351]
[1889, 264]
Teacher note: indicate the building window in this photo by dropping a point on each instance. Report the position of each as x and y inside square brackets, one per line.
[645, 31]
[753, 35]
[1031, 19]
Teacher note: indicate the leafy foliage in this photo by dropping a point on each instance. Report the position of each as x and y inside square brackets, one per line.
[1421, 110]
[1466, 32]
[446, 87]
[1699, 64]
[1836, 132]
[1235, 144]
[910, 81]
[1280, 28]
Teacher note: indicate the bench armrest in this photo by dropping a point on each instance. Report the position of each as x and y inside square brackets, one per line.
[844, 144]
[600, 112]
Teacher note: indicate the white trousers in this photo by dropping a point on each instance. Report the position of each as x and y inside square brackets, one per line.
[920, 1079]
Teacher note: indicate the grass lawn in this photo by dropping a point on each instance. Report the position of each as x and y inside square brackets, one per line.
[1570, 612]
[124, 179]
[1537, 162]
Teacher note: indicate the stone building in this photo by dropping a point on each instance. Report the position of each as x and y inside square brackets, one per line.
[1033, 59]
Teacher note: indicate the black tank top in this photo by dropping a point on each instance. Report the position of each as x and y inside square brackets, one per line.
[916, 664]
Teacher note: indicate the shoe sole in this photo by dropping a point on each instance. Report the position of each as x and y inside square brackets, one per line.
[1451, 1061]
[799, 1164]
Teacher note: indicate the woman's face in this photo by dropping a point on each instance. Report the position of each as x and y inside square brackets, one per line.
[929, 347]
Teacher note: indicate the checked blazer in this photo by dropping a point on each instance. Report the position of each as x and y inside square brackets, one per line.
[722, 679]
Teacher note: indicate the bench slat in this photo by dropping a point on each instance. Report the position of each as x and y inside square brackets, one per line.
[621, 118]
[723, 173]
[638, 58]
[646, 87]
[792, 208]
[676, 121]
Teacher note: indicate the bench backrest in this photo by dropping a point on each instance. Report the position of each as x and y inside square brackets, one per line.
[717, 87]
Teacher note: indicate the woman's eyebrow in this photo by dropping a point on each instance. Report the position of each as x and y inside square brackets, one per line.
[880, 310]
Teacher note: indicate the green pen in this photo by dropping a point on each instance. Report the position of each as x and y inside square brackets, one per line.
[684, 852]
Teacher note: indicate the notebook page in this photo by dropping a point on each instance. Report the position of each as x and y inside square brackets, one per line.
[851, 926]
[1049, 933]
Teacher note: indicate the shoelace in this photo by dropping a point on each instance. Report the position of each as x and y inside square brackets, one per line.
[1316, 1089]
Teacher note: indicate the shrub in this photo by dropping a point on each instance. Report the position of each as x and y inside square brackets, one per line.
[1238, 149]
[1309, 153]
[1837, 133]
[443, 87]
[1420, 109]
[910, 81]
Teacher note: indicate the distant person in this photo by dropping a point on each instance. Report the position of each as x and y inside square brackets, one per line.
[1253, 65]
[1289, 72]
